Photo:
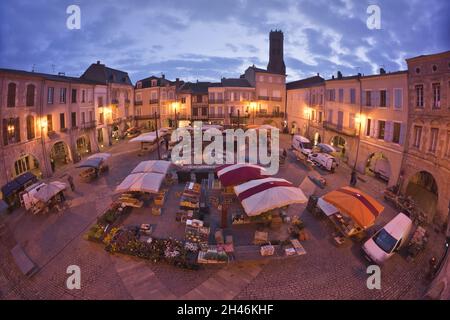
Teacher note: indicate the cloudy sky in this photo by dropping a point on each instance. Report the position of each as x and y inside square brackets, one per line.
[209, 39]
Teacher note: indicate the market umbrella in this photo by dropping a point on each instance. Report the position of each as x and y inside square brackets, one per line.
[234, 174]
[103, 156]
[141, 182]
[90, 163]
[145, 137]
[156, 166]
[49, 191]
[360, 206]
[259, 196]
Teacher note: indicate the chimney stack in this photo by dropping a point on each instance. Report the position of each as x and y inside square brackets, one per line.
[98, 61]
[339, 75]
[382, 71]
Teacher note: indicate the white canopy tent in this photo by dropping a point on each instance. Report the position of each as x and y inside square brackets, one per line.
[145, 137]
[150, 136]
[103, 156]
[155, 166]
[262, 195]
[50, 190]
[141, 182]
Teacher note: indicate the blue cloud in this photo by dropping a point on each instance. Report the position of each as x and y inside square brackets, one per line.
[206, 39]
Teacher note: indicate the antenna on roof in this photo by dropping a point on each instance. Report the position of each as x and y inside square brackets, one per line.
[53, 68]
[32, 68]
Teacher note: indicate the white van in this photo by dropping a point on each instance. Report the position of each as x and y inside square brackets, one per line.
[324, 160]
[301, 144]
[388, 240]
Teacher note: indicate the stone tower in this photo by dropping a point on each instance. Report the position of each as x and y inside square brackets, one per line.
[276, 61]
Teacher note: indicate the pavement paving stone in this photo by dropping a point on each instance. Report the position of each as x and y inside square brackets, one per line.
[55, 241]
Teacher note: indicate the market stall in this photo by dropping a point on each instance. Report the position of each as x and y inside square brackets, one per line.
[49, 196]
[155, 166]
[149, 140]
[350, 210]
[12, 189]
[262, 195]
[149, 182]
[235, 174]
[93, 167]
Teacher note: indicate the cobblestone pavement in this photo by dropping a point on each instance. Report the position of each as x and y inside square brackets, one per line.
[55, 241]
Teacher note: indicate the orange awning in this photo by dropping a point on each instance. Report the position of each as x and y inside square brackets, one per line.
[360, 206]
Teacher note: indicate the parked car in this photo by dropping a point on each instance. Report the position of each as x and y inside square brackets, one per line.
[388, 240]
[301, 144]
[324, 160]
[324, 148]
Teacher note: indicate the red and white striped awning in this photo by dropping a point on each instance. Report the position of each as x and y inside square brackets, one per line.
[259, 196]
[234, 174]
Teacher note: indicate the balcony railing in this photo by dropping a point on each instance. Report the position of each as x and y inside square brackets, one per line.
[138, 103]
[263, 98]
[216, 115]
[340, 129]
[89, 125]
[127, 101]
[241, 115]
[146, 117]
[115, 101]
[216, 101]
[275, 98]
[154, 101]
[199, 117]
[270, 115]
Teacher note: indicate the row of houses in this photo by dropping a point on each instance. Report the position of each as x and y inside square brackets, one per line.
[400, 118]
[49, 120]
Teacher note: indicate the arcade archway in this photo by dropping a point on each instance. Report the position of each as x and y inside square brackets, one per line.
[27, 163]
[59, 155]
[83, 146]
[423, 189]
[340, 144]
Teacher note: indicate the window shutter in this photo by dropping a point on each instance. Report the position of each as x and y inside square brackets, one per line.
[364, 102]
[388, 99]
[388, 131]
[5, 132]
[402, 133]
[376, 98]
[375, 128]
[17, 129]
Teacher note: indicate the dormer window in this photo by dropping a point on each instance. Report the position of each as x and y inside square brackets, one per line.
[139, 85]
[154, 83]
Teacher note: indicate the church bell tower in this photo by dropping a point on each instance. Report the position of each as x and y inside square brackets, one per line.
[276, 53]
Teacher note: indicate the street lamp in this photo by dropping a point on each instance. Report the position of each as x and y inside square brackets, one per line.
[253, 108]
[308, 117]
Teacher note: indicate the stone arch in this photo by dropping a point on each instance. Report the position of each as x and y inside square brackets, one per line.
[83, 145]
[60, 155]
[422, 187]
[27, 162]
